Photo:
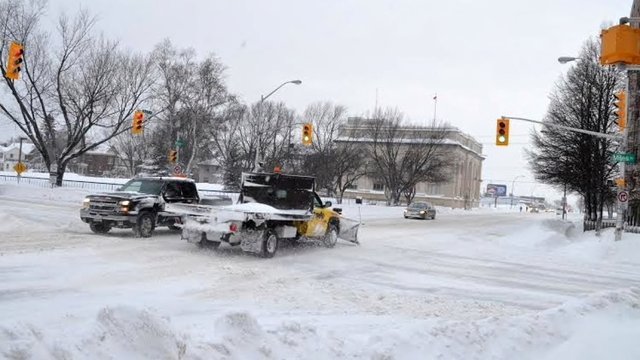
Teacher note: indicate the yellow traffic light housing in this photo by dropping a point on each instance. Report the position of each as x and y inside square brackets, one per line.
[138, 123]
[307, 134]
[620, 44]
[173, 156]
[14, 61]
[502, 132]
[621, 109]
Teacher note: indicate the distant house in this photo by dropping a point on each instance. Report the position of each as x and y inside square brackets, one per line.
[9, 155]
[93, 163]
[210, 171]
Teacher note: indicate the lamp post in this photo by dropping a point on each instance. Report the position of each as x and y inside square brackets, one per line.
[20, 157]
[513, 187]
[566, 59]
[256, 163]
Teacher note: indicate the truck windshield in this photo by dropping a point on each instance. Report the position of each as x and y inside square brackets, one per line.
[151, 187]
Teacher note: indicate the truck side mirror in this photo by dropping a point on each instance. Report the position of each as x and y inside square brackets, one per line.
[327, 204]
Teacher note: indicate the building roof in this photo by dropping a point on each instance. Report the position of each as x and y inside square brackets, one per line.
[27, 148]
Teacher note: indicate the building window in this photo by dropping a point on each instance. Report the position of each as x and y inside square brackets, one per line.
[10, 156]
[353, 186]
[378, 187]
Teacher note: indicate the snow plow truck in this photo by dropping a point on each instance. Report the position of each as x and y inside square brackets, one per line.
[271, 208]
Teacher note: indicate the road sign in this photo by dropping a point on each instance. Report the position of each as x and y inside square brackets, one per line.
[20, 168]
[623, 196]
[177, 169]
[180, 143]
[628, 158]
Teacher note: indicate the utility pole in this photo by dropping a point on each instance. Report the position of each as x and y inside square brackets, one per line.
[20, 159]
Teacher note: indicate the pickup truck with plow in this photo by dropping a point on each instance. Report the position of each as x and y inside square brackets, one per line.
[140, 204]
[271, 208]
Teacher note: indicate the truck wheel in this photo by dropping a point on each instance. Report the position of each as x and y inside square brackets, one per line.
[99, 228]
[144, 225]
[269, 244]
[208, 244]
[331, 237]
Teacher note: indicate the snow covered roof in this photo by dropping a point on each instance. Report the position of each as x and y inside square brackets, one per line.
[27, 148]
[409, 141]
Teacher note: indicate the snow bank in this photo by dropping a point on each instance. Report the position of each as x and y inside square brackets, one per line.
[604, 325]
[59, 195]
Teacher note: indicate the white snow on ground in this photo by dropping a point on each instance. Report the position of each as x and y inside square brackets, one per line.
[469, 285]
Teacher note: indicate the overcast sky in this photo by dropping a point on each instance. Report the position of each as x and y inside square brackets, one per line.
[483, 58]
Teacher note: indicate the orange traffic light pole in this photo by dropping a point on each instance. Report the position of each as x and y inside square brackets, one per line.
[588, 132]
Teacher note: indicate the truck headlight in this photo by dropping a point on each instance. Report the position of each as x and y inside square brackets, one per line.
[124, 206]
[422, 212]
[85, 203]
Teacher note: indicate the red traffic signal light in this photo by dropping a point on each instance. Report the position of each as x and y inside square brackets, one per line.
[502, 132]
[14, 61]
[307, 134]
[137, 127]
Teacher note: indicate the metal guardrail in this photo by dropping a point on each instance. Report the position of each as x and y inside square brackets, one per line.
[589, 225]
[100, 186]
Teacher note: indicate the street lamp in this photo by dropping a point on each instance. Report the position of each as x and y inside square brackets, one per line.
[513, 187]
[256, 162]
[566, 59]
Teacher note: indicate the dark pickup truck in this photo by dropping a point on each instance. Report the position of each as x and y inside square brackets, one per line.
[139, 204]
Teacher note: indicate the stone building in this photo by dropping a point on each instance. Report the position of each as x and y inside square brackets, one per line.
[462, 190]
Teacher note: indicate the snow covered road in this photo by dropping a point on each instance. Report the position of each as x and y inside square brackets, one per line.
[479, 284]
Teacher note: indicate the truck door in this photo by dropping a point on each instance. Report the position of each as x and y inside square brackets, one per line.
[317, 226]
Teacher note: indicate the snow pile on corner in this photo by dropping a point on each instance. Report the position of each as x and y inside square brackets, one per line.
[605, 325]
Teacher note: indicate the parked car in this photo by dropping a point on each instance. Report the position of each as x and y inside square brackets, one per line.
[421, 210]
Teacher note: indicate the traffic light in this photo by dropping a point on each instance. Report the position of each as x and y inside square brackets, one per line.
[621, 109]
[138, 123]
[502, 132]
[14, 61]
[307, 134]
[173, 156]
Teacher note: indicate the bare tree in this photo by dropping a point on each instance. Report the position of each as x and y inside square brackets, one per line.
[405, 156]
[582, 163]
[77, 91]
[189, 99]
[320, 161]
[334, 159]
[130, 151]
[225, 145]
[349, 164]
[269, 126]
